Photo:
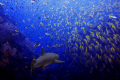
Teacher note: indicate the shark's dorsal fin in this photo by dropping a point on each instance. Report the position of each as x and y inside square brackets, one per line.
[43, 51]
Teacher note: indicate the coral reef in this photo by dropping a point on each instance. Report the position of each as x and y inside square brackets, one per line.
[15, 50]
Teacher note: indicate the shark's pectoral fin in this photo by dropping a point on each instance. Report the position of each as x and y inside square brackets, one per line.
[43, 67]
[57, 61]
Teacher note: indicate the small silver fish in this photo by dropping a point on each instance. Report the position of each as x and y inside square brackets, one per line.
[1, 3]
[113, 17]
[32, 1]
[47, 33]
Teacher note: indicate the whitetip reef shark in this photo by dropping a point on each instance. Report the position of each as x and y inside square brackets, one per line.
[44, 60]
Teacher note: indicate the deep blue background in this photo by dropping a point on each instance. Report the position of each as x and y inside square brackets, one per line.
[57, 25]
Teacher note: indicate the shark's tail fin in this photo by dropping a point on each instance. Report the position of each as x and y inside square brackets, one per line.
[31, 72]
[32, 65]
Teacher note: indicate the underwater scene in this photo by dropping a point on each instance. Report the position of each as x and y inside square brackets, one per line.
[59, 40]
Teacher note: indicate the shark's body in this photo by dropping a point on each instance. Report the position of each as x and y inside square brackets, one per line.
[44, 60]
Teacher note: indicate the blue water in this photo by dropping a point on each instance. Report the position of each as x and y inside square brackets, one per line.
[84, 33]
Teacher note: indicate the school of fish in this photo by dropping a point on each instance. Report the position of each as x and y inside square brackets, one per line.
[89, 31]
